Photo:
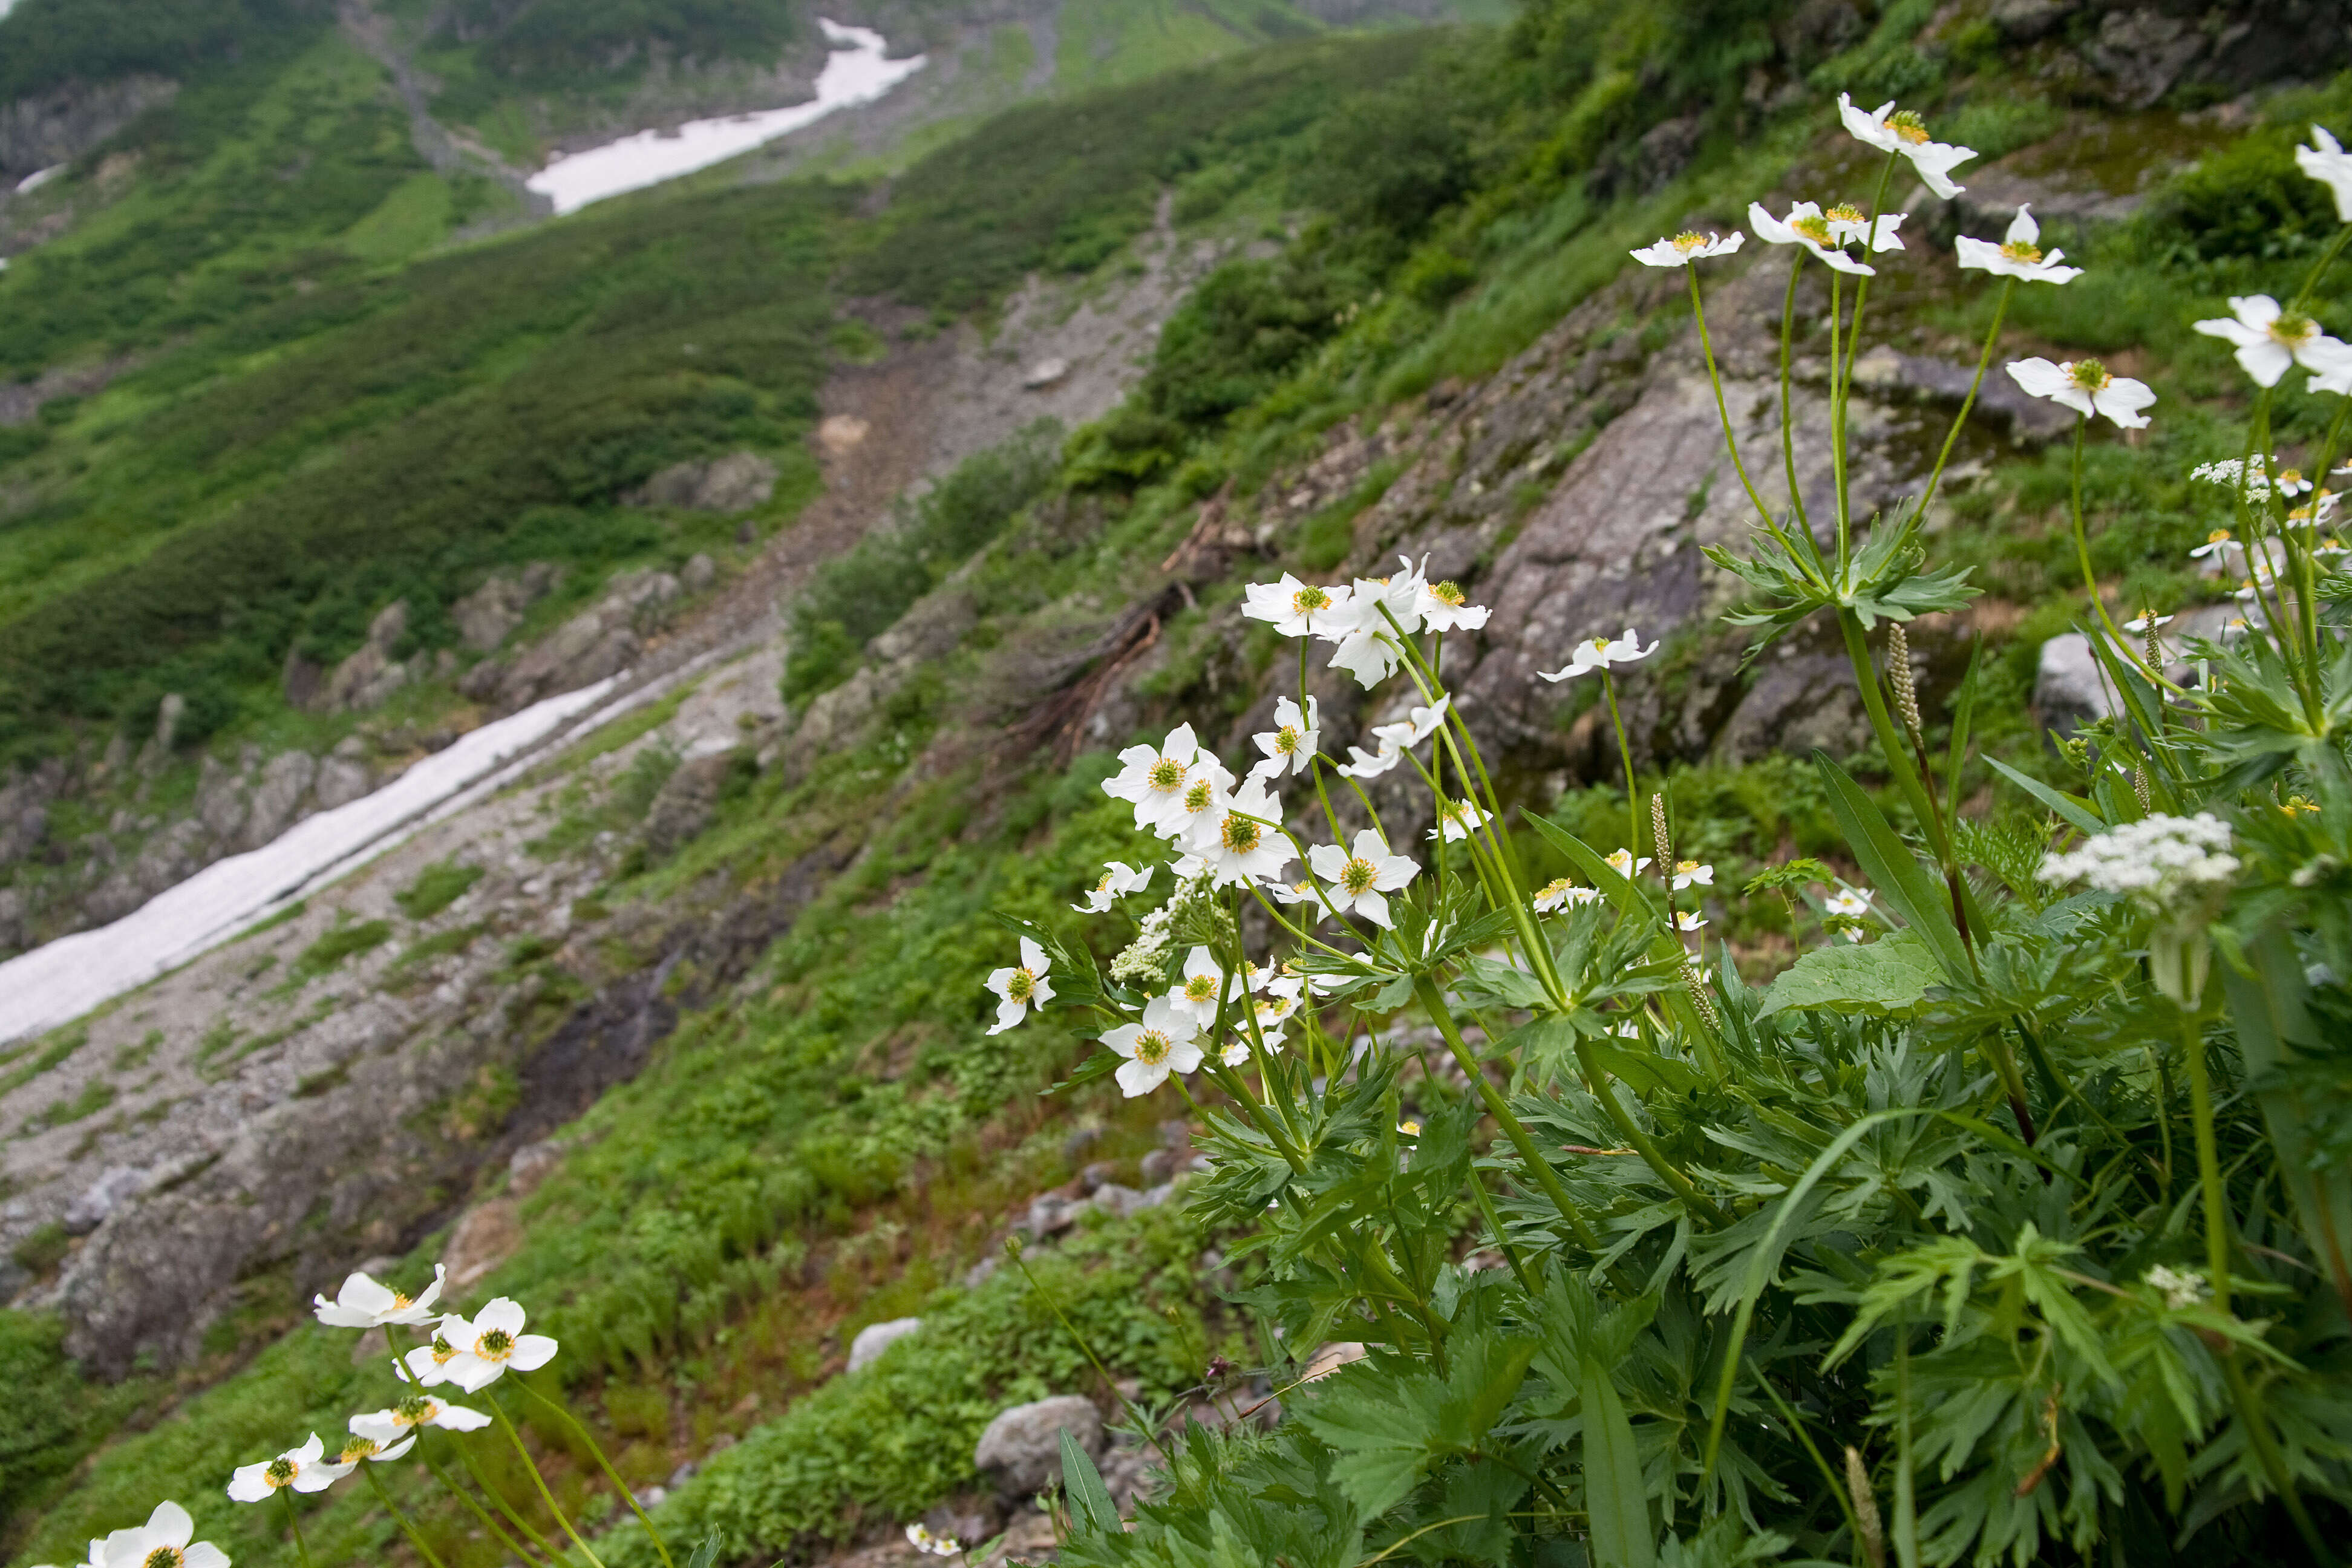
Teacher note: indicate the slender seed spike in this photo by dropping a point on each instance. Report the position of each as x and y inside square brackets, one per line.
[1660, 845]
[1906, 689]
[2154, 643]
[2139, 786]
[1699, 998]
[1865, 1508]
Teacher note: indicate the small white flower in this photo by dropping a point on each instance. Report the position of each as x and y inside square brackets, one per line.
[2331, 166]
[1156, 780]
[363, 1303]
[1118, 879]
[1444, 608]
[1296, 609]
[1370, 654]
[1847, 900]
[1167, 1040]
[1415, 728]
[2086, 387]
[408, 1416]
[2217, 543]
[1306, 895]
[2018, 255]
[361, 1447]
[163, 1542]
[1849, 225]
[1240, 844]
[1600, 653]
[1690, 873]
[1359, 877]
[2270, 341]
[1559, 891]
[1687, 247]
[1203, 987]
[2291, 482]
[1020, 986]
[1805, 226]
[1688, 920]
[304, 1469]
[1403, 596]
[1295, 738]
[492, 1343]
[1893, 130]
[1457, 819]
[2156, 860]
[1364, 765]
[1622, 861]
[2147, 619]
[930, 1545]
[2182, 1287]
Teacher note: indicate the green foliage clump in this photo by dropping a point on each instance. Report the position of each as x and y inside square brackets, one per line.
[2248, 200]
[333, 946]
[47, 44]
[437, 887]
[51, 1417]
[551, 47]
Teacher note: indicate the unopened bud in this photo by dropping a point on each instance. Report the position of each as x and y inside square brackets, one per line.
[1695, 982]
[1661, 842]
[1866, 1510]
[1898, 671]
[2139, 787]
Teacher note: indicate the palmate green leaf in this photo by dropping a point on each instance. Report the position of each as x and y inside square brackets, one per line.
[1485, 982]
[1389, 1426]
[1884, 979]
[1615, 1500]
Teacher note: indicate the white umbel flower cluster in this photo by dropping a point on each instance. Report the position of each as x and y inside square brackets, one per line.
[2157, 860]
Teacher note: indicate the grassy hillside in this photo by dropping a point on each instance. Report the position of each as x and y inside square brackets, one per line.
[826, 1145]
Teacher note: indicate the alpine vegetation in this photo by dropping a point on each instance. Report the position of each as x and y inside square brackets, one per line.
[2007, 1225]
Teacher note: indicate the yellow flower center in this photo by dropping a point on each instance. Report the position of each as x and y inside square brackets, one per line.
[496, 1346]
[164, 1557]
[1450, 594]
[1553, 888]
[1200, 988]
[1814, 227]
[2297, 805]
[2290, 478]
[1309, 599]
[1196, 798]
[1020, 985]
[400, 1300]
[1241, 834]
[2089, 375]
[1844, 212]
[1599, 645]
[1690, 239]
[1166, 774]
[415, 1410]
[355, 1450]
[1104, 886]
[2219, 536]
[1151, 1047]
[2293, 331]
[1908, 124]
[1357, 875]
[281, 1472]
[1286, 741]
[2019, 250]
[442, 1350]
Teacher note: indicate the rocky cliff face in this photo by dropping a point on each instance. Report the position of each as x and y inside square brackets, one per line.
[60, 125]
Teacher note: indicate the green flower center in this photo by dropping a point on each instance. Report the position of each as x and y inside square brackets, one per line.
[1447, 594]
[2018, 250]
[281, 1472]
[1197, 797]
[1690, 239]
[1844, 212]
[1020, 985]
[1286, 741]
[442, 1350]
[1200, 987]
[1151, 1047]
[1309, 599]
[2090, 375]
[1554, 888]
[414, 1410]
[355, 1450]
[1358, 876]
[2293, 330]
[1908, 124]
[1166, 774]
[164, 1557]
[1813, 226]
[1240, 834]
[498, 1344]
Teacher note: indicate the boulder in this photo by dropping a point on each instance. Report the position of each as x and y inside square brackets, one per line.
[486, 1236]
[487, 615]
[371, 674]
[876, 1337]
[106, 1194]
[1021, 1449]
[697, 574]
[2070, 689]
[686, 803]
[532, 1165]
[277, 799]
[736, 482]
[1045, 372]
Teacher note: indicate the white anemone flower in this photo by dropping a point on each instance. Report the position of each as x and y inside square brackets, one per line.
[1687, 247]
[1370, 654]
[1891, 130]
[2217, 543]
[1155, 780]
[1690, 873]
[1295, 736]
[304, 1468]
[1205, 986]
[2272, 340]
[1294, 608]
[1360, 876]
[494, 1343]
[1201, 806]
[930, 1545]
[1600, 653]
[1457, 819]
[1849, 225]
[1302, 895]
[1559, 893]
[1364, 765]
[431, 1363]
[410, 1416]
[165, 1540]
[2331, 166]
[1415, 728]
[2019, 255]
[1165, 1040]
[1245, 847]
[363, 1303]
[359, 1449]
[1622, 861]
[1445, 608]
[2086, 387]
[1806, 226]
[1020, 986]
[1688, 920]
[1118, 879]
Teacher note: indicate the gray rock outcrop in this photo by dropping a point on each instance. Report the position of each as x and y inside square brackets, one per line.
[736, 482]
[487, 615]
[60, 125]
[603, 640]
[1021, 1451]
[876, 1337]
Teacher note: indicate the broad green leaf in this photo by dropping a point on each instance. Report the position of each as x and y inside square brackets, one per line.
[1389, 1427]
[2075, 812]
[1884, 979]
[1615, 1499]
[1644, 1071]
[708, 1553]
[2271, 1011]
[1907, 885]
[1082, 1484]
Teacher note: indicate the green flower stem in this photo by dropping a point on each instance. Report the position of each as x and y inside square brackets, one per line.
[1890, 737]
[407, 1526]
[1626, 755]
[1841, 366]
[294, 1519]
[2260, 1438]
[506, 1425]
[1500, 1109]
[2215, 1194]
[547, 1548]
[1233, 1085]
[1788, 434]
[2319, 269]
[1502, 1238]
[1642, 1143]
[1837, 424]
[492, 1525]
[1862, 290]
[1959, 421]
[1086, 1346]
[1722, 411]
[603, 1463]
